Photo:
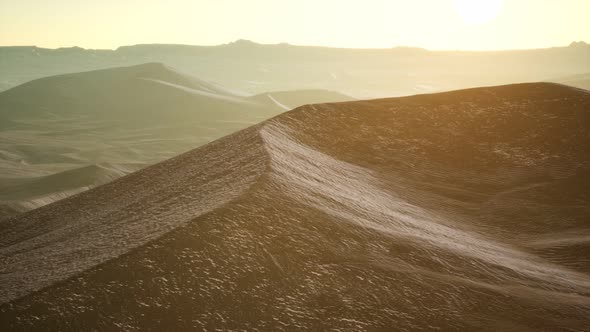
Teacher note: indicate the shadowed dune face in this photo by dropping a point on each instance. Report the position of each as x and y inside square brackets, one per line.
[465, 210]
[64, 134]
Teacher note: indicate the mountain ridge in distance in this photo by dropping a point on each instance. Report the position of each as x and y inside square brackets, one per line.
[248, 42]
[463, 210]
[360, 73]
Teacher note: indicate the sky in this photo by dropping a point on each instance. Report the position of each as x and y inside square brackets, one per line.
[431, 24]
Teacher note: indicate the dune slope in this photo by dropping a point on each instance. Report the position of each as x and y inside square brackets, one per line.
[465, 210]
[122, 119]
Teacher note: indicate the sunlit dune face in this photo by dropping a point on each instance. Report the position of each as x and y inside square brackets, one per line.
[478, 11]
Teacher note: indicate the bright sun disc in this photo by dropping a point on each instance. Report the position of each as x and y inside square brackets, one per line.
[478, 11]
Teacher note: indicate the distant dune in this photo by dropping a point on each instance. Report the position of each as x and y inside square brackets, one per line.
[360, 73]
[581, 81]
[466, 210]
[23, 194]
[121, 119]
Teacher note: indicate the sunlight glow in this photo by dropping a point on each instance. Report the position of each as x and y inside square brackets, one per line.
[478, 11]
[431, 24]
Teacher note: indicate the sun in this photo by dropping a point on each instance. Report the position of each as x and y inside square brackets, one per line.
[478, 11]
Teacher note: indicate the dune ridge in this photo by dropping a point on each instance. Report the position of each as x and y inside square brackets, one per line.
[122, 119]
[450, 211]
[99, 238]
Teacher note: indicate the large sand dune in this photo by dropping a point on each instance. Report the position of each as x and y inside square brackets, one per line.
[465, 210]
[115, 121]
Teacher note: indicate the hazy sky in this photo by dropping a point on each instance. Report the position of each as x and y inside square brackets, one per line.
[432, 24]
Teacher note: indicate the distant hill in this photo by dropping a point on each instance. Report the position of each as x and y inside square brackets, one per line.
[151, 91]
[63, 127]
[23, 194]
[360, 73]
[460, 211]
[581, 81]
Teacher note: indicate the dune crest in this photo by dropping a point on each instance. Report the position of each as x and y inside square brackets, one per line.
[48, 247]
[464, 210]
[123, 118]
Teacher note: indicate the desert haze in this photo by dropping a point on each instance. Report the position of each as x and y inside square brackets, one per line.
[361, 73]
[376, 165]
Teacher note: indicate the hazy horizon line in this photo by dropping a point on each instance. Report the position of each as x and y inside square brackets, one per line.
[247, 41]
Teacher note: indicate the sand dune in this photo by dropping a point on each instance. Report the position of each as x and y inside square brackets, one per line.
[465, 210]
[121, 119]
[24, 194]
